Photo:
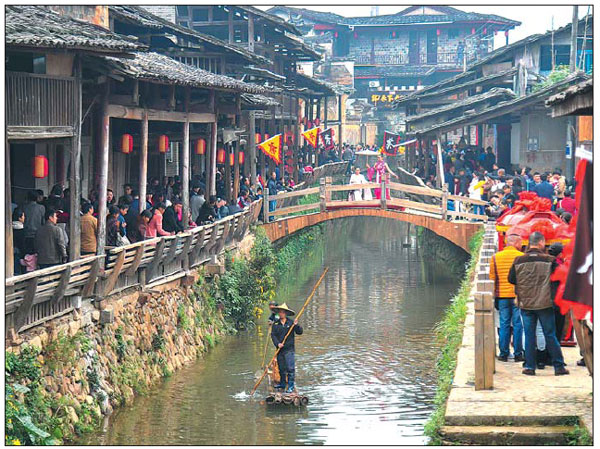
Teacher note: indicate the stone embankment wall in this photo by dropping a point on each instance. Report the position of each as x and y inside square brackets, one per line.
[443, 253]
[94, 361]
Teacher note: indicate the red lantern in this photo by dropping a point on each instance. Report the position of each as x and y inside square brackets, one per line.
[393, 34]
[485, 31]
[241, 158]
[336, 34]
[40, 166]
[221, 156]
[231, 159]
[472, 30]
[200, 147]
[163, 144]
[126, 144]
[257, 137]
[267, 137]
[355, 35]
[317, 121]
[438, 31]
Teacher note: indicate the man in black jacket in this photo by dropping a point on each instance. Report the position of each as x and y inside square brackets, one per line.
[286, 355]
[530, 274]
[171, 223]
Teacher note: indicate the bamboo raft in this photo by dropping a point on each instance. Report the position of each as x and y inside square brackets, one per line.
[279, 397]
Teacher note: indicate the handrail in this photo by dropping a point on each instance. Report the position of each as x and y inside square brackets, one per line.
[35, 297]
[325, 201]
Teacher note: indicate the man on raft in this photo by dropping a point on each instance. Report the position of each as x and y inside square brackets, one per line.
[286, 356]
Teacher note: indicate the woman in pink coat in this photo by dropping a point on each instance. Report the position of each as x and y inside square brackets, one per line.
[155, 228]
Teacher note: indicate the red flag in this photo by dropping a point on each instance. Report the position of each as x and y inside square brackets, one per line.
[272, 148]
[389, 142]
[327, 139]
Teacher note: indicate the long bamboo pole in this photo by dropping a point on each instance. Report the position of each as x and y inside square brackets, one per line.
[291, 329]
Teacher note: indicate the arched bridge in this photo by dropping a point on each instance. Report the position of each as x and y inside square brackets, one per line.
[422, 206]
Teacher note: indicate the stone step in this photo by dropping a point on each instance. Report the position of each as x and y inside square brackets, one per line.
[506, 435]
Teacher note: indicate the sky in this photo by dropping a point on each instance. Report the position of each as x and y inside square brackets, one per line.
[534, 19]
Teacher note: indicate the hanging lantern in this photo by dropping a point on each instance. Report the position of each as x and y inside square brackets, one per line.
[126, 144]
[40, 166]
[472, 30]
[241, 158]
[221, 156]
[438, 31]
[336, 34]
[163, 144]
[355, 35]
[200, 148]
[485, 31]
[267, 137]
[257, 138]
[231, 159]
[317, 121]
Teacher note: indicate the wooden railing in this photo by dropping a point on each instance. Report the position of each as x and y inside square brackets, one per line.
[336, 197]
[41, 295]
[39, 100]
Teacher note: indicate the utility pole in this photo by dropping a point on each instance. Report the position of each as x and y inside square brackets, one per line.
[571, 121]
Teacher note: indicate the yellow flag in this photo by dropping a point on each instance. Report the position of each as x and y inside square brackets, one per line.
[312, 136]
[272, 148]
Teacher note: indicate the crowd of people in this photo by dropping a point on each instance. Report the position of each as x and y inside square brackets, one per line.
[40, 224]
[524, 300]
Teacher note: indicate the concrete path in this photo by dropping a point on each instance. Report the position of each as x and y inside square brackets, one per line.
[517, 399]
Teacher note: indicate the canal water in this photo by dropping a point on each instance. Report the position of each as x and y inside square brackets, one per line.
[366, 358]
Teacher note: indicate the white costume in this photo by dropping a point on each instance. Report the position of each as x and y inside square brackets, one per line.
[357, 195]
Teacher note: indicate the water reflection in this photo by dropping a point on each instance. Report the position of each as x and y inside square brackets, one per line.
[366, 359]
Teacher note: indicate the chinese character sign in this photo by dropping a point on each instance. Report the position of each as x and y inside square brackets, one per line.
[390, 140]
[327, 139]
[272, 148]
[312, 136]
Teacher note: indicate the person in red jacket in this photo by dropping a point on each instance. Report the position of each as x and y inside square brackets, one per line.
[155, 228]
[568, 203]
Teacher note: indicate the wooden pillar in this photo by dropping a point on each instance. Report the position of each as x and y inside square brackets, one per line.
[282, 130]
[296, 128]
[211, 185]
[340, 138]
[251, 33]
[143, 178]
[230, 25]
[251, 147]
[261, 155]
[8, 233]
[185, 164]
[74, 179]
[228, 172]
[103, 172]
[236, 163]
[440, 162]
[325, 122]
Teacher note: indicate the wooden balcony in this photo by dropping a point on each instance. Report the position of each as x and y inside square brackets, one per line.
[39, 106]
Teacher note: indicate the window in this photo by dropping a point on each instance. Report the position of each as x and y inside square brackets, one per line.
[26, 62]
[200, 15]
[182, 11]
[561, 56]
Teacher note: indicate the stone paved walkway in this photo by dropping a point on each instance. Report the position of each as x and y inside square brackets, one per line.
[517, 399]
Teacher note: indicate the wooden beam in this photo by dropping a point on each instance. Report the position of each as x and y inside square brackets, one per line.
[38, 132]
[185, 166]
[143, 177]
[158, 253]
[21, 314]
[136, 113]
[230, 26]
[211, 182]
[114, 275]
[8, 233]
[103, 172]
[74, 178]
[251, 33]
[61, 288]
[88, 288]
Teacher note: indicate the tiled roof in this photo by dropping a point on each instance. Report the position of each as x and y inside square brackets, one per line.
[154, 67]
[40, 27]
[577, 89]
[142, 17]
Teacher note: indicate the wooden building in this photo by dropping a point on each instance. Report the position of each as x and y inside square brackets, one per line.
[538, 141]
[396, 54]
[76, 89]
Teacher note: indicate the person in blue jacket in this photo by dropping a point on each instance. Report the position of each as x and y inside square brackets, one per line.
[286, 355]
